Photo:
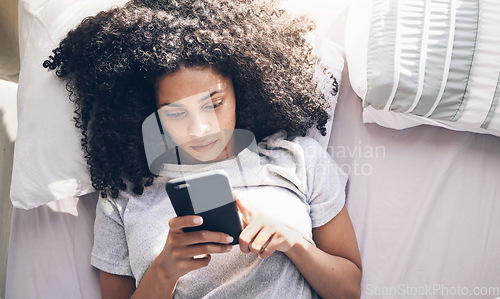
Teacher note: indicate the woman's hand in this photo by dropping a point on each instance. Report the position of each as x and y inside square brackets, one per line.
[332, 267]
[179, 257]
[181, 251]
[263, 235]
[175, 260]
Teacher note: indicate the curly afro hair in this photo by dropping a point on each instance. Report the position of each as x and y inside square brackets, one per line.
[112, 61]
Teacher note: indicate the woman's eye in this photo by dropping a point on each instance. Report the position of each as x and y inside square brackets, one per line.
[214, 104]
[175, 115]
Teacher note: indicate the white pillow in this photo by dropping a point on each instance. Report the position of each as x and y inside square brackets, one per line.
[48, 160]
[327, 39]
[331, 56]
[426, 62]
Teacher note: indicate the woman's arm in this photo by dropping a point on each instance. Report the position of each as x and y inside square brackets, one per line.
[175, 260]
[332, 268]
[153, 285]
[116, 286]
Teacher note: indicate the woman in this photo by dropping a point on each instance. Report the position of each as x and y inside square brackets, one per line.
[245, 67]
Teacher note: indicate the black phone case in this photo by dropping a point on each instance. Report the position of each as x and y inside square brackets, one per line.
[221, 219]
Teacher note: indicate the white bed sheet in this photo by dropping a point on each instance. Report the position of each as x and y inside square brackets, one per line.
[424, 201]
[425, 204]
[49, 251]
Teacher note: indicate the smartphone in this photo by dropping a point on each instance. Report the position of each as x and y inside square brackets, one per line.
[210, 196]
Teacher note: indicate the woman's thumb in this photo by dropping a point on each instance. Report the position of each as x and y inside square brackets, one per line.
[243, 208]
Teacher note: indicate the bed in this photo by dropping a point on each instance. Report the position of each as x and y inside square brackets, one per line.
[423, 191]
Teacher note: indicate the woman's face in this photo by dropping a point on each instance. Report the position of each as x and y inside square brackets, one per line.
[197, 109]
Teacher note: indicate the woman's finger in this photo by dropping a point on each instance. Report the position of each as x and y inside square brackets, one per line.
[204, 249]
[205, 236]
[244, 210]
[191, 264]
[268, 249]
[262, 239]
[278, 242]
[176, 224]
[248, 234]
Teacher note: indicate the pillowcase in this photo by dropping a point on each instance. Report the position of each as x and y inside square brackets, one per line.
[331, 56]
[329, 17]
[426, 62]
[48, 160]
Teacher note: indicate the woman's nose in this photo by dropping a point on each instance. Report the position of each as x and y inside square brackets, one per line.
[199, 126]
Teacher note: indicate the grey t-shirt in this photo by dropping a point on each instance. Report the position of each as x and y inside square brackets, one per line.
[293, 180]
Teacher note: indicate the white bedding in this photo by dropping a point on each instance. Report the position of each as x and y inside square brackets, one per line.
[49, 252]
[424, 202]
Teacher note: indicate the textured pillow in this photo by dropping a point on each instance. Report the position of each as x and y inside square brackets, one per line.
[426, 62]
[48, 161]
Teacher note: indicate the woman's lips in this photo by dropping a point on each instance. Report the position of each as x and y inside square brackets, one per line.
[204, 146]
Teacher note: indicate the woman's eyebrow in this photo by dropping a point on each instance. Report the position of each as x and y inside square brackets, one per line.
[201, 100]
[210, 95]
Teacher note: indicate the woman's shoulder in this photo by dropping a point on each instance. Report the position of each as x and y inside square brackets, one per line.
[305, 162]
[281, 141]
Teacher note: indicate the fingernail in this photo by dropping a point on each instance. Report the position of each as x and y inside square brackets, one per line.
[198, 220]
[229, 248]
[229, 239]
